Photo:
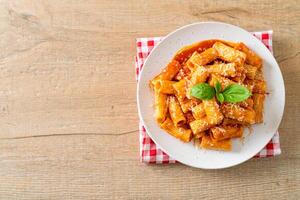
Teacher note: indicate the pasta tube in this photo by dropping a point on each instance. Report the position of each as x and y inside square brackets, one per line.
[180, 89]
[234, 111]
[224, 69]
[251, 57]
[199, 125]
[229, 54]
[213, 112]
[198, 111]
[208, 143]
[164, 86]
[258, 106]
[183, 134]
[175, 111]
[250, 71]
[225, 132]
[161, 106]
[200, 59]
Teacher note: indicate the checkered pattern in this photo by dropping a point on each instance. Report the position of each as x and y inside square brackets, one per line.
[149, 152]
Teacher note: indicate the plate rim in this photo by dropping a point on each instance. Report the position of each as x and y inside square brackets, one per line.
[142, 70]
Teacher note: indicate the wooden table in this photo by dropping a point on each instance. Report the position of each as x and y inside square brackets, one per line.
[68, 115]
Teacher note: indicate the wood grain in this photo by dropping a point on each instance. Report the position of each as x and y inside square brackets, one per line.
[68, 115]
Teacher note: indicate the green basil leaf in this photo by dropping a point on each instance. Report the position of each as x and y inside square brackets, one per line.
[220, 97]
[203, 91]
[218, 87]
[236, 93]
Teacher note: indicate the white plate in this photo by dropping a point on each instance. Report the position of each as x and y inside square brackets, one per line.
[186, 152]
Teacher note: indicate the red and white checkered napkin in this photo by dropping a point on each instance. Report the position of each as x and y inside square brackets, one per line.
[149, 152]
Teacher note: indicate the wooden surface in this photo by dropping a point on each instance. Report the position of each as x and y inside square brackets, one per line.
[68, 116]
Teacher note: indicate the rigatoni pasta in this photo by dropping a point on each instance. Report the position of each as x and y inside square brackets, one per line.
[200, 125]
[234, 111]
[201, 59]
[251, 57]
[229, 54]
[258, 102]
[178, 132]
[208, 143]
[164, 86]
[198, 111]
[209, 92]
[212, 111]
[226, 132]
[161, 106]
[223, 69]
[175, 111]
